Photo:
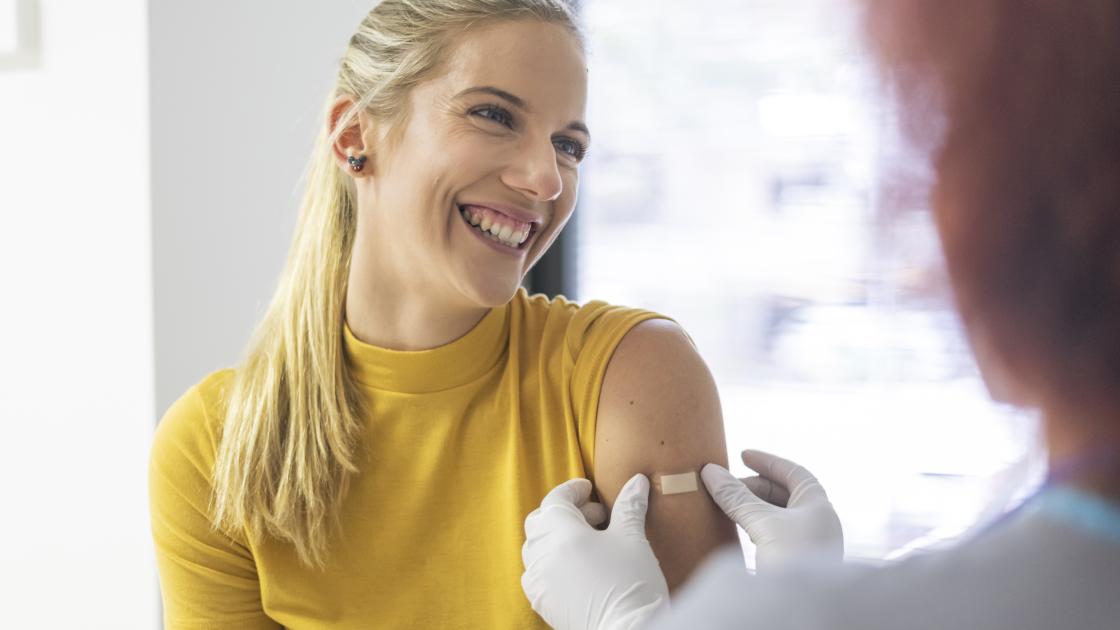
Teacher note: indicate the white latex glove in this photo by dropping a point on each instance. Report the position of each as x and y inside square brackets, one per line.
[784, 510]
[577, 577]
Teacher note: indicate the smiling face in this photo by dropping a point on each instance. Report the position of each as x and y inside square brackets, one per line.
[494, 140]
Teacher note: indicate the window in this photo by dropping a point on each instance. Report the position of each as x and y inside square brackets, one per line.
[734, 184]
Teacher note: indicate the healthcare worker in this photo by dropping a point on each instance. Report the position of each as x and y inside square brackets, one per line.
[1017, 102]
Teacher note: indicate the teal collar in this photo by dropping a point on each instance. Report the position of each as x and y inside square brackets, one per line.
[1079, 508]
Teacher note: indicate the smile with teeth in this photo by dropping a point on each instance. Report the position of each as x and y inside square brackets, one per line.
[496, 226]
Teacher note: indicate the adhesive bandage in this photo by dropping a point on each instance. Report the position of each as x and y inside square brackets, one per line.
[677, 484]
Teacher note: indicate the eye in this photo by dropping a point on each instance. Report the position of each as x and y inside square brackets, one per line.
[571, 147]
[496, 114]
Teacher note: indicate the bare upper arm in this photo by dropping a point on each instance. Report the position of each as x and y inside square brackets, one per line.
[659, 413]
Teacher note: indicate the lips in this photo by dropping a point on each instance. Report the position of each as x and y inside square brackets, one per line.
[510, 211]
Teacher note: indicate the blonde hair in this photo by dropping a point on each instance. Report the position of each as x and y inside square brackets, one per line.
[290, 440]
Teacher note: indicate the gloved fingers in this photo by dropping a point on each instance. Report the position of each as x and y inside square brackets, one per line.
[767, 490]
[731, 494]
[531, 555]
[560, 508]
[801, 485]
[534, 590]
[594, 512]
[578, 493]
[575, 492]
[541, 522]
[628, 516]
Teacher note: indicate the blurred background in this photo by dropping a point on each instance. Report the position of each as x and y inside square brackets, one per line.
[746, 180]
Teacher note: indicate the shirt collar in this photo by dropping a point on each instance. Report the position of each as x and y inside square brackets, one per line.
[424, 371]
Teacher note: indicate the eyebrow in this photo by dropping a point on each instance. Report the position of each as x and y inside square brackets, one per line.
[520, 103]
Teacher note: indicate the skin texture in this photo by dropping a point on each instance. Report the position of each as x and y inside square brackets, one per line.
[659, 413]
[419, 278]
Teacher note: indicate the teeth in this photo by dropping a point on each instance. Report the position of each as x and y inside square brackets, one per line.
[496, 231]
[516, 238]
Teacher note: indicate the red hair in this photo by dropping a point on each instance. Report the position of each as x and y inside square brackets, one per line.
[1018, 104]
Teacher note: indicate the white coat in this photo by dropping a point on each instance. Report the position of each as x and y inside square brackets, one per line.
[1052, 565]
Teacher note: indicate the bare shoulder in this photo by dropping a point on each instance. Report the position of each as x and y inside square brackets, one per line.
[658, 379]
[659, 413]
[655, 335]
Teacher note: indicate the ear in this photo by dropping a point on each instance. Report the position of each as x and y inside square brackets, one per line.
[350, 142]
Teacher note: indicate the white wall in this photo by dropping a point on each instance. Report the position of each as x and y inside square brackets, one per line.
[76, 350]
[149, 170]
[237, 88]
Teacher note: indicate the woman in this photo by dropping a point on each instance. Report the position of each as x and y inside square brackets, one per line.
[404, 404]
[1018, 101]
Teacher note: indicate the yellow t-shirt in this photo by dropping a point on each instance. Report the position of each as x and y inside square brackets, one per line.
[461, 443]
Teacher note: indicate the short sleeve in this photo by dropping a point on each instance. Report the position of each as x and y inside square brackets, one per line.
[592, 336]
[207, 578]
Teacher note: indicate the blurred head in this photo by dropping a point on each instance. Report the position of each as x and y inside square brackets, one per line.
[458, 105]
[1018, 102]
[487, 133]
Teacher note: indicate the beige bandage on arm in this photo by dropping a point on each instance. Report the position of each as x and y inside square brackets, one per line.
[676, 484]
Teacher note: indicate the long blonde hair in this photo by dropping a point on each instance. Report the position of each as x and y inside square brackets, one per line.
[290, 440]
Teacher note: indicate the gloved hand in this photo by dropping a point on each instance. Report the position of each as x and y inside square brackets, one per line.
[577, 577]
[784, 510]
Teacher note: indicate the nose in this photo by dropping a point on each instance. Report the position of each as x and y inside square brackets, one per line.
[533, 172]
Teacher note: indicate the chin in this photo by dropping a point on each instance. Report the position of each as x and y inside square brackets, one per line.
[492, 293]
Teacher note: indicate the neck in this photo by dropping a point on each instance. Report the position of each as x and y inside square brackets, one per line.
[397, 311]
[1084, 453]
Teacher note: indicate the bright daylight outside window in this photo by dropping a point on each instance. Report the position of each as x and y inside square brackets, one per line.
[736, 183]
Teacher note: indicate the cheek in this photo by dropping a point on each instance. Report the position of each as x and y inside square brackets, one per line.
[566, 204]
[564, 208]
[416, 194]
